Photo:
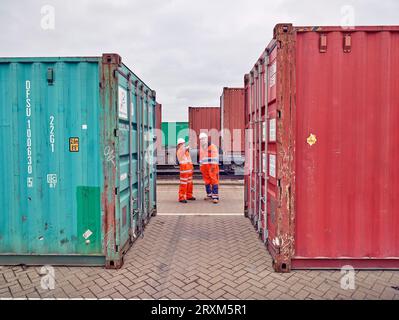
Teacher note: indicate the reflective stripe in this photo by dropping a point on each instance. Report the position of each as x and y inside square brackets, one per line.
[183, 182]
[210, 159]
[184, 162]
[183, 179]
[186, 171]
[210, 162]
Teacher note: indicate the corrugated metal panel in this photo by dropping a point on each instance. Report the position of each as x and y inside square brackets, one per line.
[232, 115]
[350, 102]
[255, 191]
[204, 119]
[67, 156]
[332, 107]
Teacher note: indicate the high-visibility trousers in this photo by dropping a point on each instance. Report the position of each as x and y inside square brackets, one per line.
[186, 182]
[210, 174]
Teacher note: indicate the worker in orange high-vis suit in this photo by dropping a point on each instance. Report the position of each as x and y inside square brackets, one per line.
[209, 166]
[186, 172]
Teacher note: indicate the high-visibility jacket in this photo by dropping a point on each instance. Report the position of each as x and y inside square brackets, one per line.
[209, 155]
[209, 167]
[184, 157]
[186, 173]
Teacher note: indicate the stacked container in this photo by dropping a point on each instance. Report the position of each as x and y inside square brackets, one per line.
[204, 119]
[232, 119]
[323, 189]
[171, 132]
[158, 126]
[77, 160]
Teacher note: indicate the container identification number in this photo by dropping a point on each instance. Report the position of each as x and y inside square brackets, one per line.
[52, 136]
[28, 111]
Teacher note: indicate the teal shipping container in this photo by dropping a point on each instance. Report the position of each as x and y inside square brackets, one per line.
[171, 131]
[77, 160]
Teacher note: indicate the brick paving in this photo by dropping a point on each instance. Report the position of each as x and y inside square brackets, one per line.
[211, 256]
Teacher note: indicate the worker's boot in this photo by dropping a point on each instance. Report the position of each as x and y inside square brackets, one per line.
[183, 201]
[215, 201]
[192, 199]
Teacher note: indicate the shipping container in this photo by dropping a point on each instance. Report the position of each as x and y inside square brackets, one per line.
[232, 124]
[171, 131]
[77, 165]
[158, 125]
[232, 120]
[326, 180]
[204, 119]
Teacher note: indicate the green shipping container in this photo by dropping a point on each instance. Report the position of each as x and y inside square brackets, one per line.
[172, 131]
[76, 162]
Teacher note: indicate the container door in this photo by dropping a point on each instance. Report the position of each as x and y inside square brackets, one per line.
[124, 177]
[271, 154]
[146, 158]
[263, 149]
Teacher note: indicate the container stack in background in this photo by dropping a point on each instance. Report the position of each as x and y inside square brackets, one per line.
[160, 155]
[322, 106]
[232, 124]
[204, 119]
[78, 155]
[171, 132]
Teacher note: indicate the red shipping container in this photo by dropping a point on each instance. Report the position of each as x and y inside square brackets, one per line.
[232, 119]
[204, 119]
[158, 126]
[331, 111]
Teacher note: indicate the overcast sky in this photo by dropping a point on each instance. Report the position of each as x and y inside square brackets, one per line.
[186, 50]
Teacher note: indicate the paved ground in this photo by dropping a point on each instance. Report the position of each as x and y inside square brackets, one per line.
[197, 257]
[231, 201]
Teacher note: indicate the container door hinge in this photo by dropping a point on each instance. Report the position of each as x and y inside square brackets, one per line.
[116, 132]
[116, 191]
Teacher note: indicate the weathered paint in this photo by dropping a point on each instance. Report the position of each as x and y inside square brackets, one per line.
[334, 99]
[64, 206]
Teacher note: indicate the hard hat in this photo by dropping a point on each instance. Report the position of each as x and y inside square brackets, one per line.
[180, 140]
[203, 135]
